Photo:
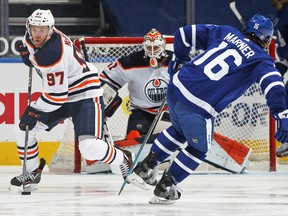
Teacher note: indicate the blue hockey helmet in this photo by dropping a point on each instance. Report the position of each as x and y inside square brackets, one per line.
[261, 27]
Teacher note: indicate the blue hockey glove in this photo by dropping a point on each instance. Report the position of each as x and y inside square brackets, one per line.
[29, 118]
[282, 126]
[24, 53]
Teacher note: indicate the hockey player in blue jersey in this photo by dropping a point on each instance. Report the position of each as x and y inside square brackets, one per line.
[201, 89]
[281, 7]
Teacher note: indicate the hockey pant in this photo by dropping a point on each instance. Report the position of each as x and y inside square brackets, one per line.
[91, 146]
[186, 126]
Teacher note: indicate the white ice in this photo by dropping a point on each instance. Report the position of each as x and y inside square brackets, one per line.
[212, 194]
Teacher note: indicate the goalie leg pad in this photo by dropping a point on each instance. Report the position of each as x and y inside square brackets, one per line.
[228, 154]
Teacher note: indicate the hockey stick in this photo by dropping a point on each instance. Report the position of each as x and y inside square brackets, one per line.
[86, 57]
[27, 132]
[236, 12]
[84, 49]
[151, 129]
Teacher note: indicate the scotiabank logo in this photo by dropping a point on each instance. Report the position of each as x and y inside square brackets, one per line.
[8, 106]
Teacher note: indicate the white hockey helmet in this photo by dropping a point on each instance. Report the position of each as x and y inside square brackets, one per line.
[41, 18]
[154, 47]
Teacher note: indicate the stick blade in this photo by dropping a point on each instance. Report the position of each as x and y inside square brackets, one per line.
[25, 193]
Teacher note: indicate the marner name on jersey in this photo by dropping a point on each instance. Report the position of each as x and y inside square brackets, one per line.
[243, 47]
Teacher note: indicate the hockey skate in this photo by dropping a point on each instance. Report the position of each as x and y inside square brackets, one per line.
[166, 192]
[32, 179]
[127, 163]
[145, 173]
[282, 151]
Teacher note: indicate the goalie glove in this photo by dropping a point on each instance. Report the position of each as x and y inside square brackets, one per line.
[111, 100]
[282, 126]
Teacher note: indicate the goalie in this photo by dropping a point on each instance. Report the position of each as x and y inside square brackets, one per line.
[145, 71]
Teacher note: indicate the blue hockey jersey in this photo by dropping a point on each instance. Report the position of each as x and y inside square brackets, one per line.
[230, 64]
[282, 32]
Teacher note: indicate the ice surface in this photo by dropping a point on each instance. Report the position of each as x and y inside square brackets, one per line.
[212, 194]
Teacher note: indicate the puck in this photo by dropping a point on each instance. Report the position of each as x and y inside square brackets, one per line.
[25, 193]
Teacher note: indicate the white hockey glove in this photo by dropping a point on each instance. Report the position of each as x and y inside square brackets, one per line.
[111, 100]
[282, 126]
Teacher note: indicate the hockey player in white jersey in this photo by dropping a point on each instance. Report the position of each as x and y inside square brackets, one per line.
[201, 89]
[146, 74]
[71, 90]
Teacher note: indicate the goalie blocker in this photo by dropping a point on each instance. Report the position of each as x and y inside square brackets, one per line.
[111, 100]
[225, 153]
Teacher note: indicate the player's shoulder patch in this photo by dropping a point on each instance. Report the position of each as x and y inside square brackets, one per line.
[135, 59]
[51, 52]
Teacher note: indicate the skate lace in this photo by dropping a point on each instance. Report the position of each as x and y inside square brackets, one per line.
[124, 167]
[28, 177]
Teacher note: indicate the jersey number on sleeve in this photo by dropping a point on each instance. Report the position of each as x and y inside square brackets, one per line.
[219, 61]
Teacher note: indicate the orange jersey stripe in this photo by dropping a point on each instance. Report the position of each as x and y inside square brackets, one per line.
[55, 99]
[84, 83]
[29, 152]
[99, 124]
[155, 110]
[102, 75]
[112, 152]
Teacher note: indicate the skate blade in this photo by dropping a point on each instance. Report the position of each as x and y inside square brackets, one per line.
[138, 181]
[19, 189]
[161, 201]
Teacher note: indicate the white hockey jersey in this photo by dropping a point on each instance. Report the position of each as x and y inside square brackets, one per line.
[66, 77]
[147, 86]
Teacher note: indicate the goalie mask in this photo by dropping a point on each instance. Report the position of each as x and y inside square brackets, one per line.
[154, 47]
[40, 18]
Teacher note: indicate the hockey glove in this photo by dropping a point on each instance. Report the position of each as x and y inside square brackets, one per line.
[24, 53]
[282, 126]
[29, 118]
